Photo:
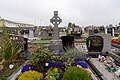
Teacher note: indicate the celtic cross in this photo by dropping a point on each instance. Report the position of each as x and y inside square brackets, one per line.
[55, 21]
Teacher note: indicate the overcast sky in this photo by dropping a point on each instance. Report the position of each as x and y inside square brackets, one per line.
[80, 12]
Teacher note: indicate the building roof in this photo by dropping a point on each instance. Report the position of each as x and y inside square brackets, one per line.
[1, 19]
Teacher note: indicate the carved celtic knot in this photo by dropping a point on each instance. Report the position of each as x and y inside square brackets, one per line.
[55, 19]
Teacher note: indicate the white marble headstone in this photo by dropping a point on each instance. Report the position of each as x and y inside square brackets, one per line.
[31, 34]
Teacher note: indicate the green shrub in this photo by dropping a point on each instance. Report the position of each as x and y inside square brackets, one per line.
[70, 53]
[76, 73]
[9, 50]
[39, 57]
[31, 75]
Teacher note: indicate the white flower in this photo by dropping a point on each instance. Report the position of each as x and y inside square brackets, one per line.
[11, 66]
[46, 64]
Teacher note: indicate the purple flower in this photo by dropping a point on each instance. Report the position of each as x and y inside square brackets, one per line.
[82, 64]
[60, 50]
[27, 67]
[42, 79]
[49, 64]
[78, 59]
[65, 60]
[58, 64]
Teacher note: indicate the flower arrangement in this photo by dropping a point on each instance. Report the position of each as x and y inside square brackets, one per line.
[117, 40]
[30, 75]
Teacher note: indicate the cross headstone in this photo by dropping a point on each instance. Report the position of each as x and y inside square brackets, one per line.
[56, 43]
[55, 21]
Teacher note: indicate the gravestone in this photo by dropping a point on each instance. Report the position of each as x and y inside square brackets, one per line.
[109, 31]
[94, 43]
[105, 30]
[113, 32]
[96, 31]
[83, 30]
[44, 34]
[77, 35]
[67, 42]
[25, 44]
[62, 34]
[91, 32]
[99, 43]
[56, 43]
[107, 42]
[31, 34]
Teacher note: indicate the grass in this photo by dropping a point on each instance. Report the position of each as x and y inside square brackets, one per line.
[41, 41]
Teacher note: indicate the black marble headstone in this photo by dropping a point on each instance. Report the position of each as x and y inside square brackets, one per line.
[67, 41]
[25, 44]
[76, 35]
[94, 43]
[96, 31]
[109, 30]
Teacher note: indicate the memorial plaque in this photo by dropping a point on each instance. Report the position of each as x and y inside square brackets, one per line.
[94, 43]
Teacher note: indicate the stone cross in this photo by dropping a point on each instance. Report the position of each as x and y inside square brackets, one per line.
[55, 21]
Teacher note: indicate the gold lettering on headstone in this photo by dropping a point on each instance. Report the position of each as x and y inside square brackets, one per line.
[96, 41]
